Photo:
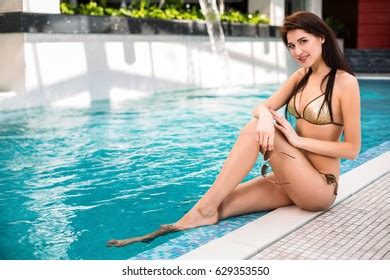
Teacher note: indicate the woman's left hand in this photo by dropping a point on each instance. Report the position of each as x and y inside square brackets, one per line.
[285, 127]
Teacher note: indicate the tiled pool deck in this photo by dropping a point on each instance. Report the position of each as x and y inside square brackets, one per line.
[255, 236]
[357, 228]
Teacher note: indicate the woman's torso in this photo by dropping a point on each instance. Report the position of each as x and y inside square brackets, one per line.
[306, 103]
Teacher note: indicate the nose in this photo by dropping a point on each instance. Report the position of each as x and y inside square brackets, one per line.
[297, 51]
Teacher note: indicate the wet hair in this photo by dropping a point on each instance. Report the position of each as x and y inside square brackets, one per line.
[331, 52]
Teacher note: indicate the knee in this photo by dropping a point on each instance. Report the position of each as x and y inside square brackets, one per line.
[249, 128]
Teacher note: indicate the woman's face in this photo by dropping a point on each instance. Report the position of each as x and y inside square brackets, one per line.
[304, 47]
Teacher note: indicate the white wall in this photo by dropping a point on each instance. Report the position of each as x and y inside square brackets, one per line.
[53, 69]
[30, 6]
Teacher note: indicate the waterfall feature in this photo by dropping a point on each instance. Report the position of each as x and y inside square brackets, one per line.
[217, 38]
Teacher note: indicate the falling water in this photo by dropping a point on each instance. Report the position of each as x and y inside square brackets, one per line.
[217, 38]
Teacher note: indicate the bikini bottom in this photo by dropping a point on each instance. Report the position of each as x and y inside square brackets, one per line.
[331, 179]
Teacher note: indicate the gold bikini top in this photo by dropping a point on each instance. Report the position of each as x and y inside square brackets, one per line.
[313, 113]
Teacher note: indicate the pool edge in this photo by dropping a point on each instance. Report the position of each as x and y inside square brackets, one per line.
[373, 76]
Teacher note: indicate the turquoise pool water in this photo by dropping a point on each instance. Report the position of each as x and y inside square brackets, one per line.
[73, 178]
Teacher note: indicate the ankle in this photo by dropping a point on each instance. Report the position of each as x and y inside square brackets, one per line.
[207, 211]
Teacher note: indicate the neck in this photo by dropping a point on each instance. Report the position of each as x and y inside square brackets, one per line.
[320, 68]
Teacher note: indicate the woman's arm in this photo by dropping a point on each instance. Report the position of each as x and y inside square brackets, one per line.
[328, 148]
[350, 108]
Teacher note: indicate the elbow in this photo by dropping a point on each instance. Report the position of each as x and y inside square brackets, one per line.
[352, 155]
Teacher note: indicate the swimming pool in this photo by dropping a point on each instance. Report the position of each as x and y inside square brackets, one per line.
[73, 178]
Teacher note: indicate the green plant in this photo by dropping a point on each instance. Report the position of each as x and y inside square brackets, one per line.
[172, 9]
[67, 8]
[337, 25]
[92, 8]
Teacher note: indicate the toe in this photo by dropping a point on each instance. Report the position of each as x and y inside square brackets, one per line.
[111, 242]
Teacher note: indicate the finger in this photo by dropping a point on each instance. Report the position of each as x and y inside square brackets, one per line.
[271, 142]
[268, 142]
[278, 123]
[257, 137]
[280, 128]
[264, 144]
[281, 121]
[276, 116]
[261, 137]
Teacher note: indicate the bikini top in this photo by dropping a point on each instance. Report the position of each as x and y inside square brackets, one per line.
[313, 113]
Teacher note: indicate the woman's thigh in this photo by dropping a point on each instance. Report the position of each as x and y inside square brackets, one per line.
[306, 187]
[300, 180]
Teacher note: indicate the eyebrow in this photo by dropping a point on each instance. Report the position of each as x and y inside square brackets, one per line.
[300, 39]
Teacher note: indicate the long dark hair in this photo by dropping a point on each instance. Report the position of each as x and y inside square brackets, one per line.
[331, 53]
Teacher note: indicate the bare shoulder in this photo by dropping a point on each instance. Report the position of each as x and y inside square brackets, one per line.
[346, 85]
[301, 72]
[344, 79]
[297, 75]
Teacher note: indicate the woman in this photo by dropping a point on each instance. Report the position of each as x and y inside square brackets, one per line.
[323, 95]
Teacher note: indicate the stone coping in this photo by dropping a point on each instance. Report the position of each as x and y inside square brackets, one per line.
[373, 76]
[18, 22]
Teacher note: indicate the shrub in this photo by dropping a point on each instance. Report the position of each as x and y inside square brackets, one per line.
[172, 10]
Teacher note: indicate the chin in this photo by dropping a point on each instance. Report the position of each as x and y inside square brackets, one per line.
[307, 64]
[304, 64]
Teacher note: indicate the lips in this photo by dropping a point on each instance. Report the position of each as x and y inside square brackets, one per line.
[302, 59]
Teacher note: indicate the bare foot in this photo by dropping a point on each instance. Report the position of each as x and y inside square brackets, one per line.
[164, 229]
[197, 217]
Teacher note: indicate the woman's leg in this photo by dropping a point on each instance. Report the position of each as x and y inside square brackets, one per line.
[255, 195]
[239, 162]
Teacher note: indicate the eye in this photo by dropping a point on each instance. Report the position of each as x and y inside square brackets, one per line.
[301, 42]
[290, 46]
